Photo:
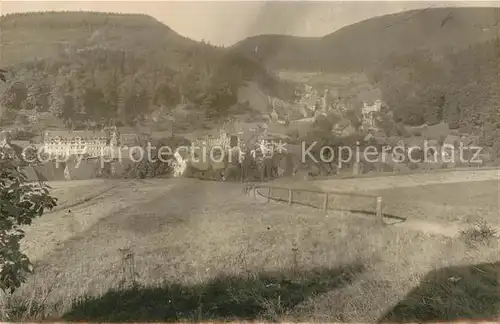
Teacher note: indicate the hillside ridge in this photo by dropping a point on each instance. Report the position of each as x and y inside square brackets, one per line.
[89, 68]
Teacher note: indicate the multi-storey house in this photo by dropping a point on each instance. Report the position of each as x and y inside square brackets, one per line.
[66, 143]
[369, 113]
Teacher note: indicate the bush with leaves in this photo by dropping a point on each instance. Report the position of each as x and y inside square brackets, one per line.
[20, 203]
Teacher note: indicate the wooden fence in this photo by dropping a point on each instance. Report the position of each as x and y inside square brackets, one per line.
[288, 194]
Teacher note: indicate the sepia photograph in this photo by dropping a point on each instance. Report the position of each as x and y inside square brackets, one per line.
[264, 161]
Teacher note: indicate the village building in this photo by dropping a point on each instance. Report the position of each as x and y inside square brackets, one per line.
[343, 128]
[5, 138]
[279, 112]
[449, 152]
[369, 113]
[132, 136]
[274, 115]
[16, 148]
[128, 140]
[220, 138]
[66, 143]
[432, 151]
[180, 164]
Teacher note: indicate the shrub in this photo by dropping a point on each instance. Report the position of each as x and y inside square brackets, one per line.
[20, 203]
[479, 233]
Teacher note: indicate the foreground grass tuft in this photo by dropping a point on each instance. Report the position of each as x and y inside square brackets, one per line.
[480, 233]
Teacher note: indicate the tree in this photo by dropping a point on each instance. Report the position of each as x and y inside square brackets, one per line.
[323, 123]
[354, 116]
[2, 75]
[386, 123]
[20, 203]
[15, 96]
[453, 116]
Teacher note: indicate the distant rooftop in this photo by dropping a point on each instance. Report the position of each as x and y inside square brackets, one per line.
[74, 134]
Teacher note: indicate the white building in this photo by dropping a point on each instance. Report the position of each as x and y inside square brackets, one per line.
[222, 140]
[65, 143]
[369, 113]
[180, 163]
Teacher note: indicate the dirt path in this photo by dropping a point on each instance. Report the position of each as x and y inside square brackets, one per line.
[437, 228]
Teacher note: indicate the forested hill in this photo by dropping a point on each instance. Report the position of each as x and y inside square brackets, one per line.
[462, 89]
[88, 68]
[357, 47]
[438, 64]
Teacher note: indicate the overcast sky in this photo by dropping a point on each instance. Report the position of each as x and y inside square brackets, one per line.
[227, 22]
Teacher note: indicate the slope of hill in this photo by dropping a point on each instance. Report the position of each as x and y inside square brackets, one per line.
[358, 46]
[41, 35]
[431, 65]
[99, 68]
[461, 89]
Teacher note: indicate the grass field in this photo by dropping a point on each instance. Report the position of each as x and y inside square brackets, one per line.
[175, 250]
[453, 198]
[463, 202]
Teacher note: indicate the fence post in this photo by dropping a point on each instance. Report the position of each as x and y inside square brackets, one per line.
[325, 202]
[379, 210]
[254, 192]
[290, 196]
[268, 194]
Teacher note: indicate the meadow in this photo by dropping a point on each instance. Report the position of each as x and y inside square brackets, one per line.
[184, 249]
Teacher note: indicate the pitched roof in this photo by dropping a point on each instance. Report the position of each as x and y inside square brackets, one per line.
[73, 134]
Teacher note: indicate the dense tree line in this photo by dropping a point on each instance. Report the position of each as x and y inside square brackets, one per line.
[95, 87]
[112, 68]
[461, 88]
